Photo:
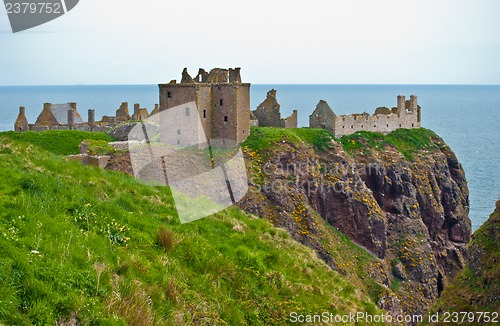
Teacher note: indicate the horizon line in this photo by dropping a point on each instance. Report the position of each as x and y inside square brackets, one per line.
[299, 84]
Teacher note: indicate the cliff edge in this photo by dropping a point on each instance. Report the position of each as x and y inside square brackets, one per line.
[402, 196]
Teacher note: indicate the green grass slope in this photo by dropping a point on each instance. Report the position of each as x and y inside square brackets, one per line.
[94, 246]
[407, 141]
[64, 142]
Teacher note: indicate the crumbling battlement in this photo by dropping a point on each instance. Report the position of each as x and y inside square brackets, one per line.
[405, 115]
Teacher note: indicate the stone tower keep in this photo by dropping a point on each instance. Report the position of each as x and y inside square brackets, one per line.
[222, 101]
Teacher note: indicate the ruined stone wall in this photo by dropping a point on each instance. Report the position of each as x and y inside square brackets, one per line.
[65, 117]
[290, 121]
[268, 112]
[122, 113]
[38, 128]
[323, 117]
[383, 123]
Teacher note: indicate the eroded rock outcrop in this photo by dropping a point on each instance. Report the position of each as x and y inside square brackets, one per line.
[411, 213]
[477, 287]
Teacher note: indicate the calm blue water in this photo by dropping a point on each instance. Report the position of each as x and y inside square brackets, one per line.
[467, 117]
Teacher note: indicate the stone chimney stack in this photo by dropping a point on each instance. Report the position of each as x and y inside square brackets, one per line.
[413, 103]
[91, 119]
[137, 108]
[21, 123]
[401, 104]
[71, 118]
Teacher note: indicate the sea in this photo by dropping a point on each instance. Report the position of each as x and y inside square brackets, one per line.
[467, 117]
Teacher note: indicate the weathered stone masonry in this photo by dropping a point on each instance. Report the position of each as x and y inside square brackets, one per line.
[268, 114]
[222, 102]
[66, 116]
[405, 115]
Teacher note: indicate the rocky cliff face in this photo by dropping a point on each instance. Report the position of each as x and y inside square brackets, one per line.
[405, 201]
[477, 287]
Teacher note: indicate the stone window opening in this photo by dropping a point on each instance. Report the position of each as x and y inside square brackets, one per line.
[221, 102]
[204, 113]
[169, 94]
[361, 126]
[387, 125]
[399, 125]
[187, 112]
[412, 125]
[374, 126]
[352, 126]
[225, 118]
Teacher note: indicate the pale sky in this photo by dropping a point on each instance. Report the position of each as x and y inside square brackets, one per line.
[307, 42]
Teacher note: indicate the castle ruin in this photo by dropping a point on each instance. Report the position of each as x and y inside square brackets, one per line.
[221, 99]
[66, 117]
[405, 115]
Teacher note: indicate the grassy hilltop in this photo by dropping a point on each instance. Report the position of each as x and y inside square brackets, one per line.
[94, 246]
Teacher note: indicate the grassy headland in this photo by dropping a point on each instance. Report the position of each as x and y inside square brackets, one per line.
[94, 246]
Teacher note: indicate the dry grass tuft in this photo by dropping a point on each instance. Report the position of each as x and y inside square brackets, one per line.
[166, 238]
[172, 291]
[131, 303]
